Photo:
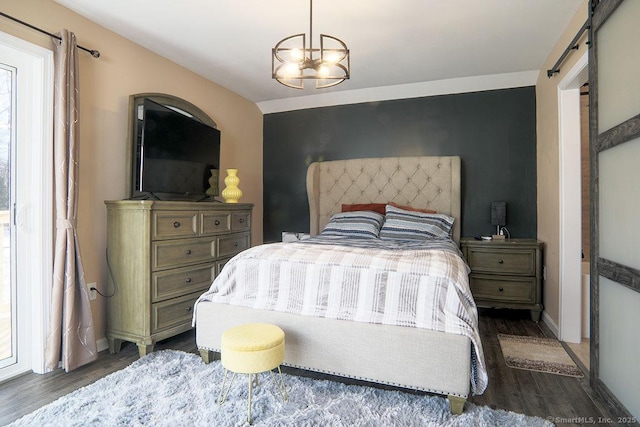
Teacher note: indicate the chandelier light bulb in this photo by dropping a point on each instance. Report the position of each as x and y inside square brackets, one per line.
[323, 71]
[289, 70]
[297, 55]
[332, 58]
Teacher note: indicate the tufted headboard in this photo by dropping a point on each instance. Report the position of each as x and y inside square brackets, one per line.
[420, 182]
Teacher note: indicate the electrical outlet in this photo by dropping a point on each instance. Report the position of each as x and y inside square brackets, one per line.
[93, 292]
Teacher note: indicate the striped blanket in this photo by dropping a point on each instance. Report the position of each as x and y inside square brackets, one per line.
[421, 284]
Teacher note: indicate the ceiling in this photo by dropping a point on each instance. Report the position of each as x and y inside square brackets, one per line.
[391, 42]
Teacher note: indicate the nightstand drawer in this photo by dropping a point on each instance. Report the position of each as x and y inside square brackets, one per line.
[503, 289]
[502, 261]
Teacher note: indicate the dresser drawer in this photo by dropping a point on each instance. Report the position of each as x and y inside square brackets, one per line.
[174, 224]
[177, 253]
[232, 244]
[179, 281]
[502, 261]
[503, 288]
[214, 222]
[173, 312]
[240, 221]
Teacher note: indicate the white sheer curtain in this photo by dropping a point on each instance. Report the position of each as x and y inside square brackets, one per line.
[71, 335]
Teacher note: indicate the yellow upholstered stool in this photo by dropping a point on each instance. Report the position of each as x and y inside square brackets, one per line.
[251, 349]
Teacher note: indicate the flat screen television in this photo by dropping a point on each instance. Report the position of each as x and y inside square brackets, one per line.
[175, 155]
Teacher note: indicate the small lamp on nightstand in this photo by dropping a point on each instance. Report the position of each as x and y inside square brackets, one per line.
[499, 218]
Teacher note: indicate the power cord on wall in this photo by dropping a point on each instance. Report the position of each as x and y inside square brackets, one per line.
[93, 288]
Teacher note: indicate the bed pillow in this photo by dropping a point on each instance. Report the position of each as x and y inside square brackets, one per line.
[410, 208]
[362, 224]
[375, 207]
[402, 224]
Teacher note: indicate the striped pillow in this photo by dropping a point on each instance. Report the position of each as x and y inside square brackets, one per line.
[409, 225]
[363, 224]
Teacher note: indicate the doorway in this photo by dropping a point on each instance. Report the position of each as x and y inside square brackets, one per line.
[571, 116]
[26, 210]
[8, 291]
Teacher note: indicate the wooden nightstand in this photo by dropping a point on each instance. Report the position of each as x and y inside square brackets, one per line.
[506, 273]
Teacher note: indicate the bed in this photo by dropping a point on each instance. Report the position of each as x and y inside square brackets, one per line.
[435, 349]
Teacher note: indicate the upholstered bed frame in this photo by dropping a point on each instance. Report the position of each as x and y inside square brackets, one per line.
[411, 358]
[421, 182]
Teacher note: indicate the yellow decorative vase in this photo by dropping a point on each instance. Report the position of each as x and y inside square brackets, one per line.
[231, 193]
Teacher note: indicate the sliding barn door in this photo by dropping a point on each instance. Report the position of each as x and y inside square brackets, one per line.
[614, 73]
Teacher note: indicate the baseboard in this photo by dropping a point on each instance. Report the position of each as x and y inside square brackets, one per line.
[551, 324]
[102, 344]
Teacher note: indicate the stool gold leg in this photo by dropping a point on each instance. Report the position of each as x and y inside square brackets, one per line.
[249, 405]
[280, 386]
[222, 396]
[284, 387]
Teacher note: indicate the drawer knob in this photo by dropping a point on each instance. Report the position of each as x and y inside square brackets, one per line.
[216, 222]
[500, 261]
[189, 308]
[241, 220]
[501, 289]
[188, 280]
[176, 224]
[235, 244]
[188, 252]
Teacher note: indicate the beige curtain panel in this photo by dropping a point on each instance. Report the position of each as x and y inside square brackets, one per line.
[71, 339]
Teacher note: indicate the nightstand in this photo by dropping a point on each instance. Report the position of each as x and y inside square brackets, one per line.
[506, 273]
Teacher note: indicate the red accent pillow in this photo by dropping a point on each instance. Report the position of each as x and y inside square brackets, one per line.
[409, 208]
[375, 207]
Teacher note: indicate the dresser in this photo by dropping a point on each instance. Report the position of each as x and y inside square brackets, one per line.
[161, 256]
[506, 273]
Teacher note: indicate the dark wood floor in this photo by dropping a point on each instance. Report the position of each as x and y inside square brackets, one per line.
[563, 400]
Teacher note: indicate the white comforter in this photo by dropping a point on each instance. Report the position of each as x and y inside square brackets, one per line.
[403, 283]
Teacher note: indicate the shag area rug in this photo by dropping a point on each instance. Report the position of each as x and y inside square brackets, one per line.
[537, 354]
[173, 388]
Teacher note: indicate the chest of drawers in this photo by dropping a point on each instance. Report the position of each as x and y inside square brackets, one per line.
[506, 273]
[161, 257]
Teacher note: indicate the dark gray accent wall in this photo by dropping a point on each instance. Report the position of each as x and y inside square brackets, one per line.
[494, 133]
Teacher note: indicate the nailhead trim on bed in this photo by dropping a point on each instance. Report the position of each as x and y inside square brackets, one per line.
[292, 365]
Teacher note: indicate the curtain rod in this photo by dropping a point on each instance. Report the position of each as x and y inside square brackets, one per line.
[94, 53]
[572, 46]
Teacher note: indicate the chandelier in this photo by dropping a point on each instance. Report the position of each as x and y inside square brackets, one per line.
[292, 62]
